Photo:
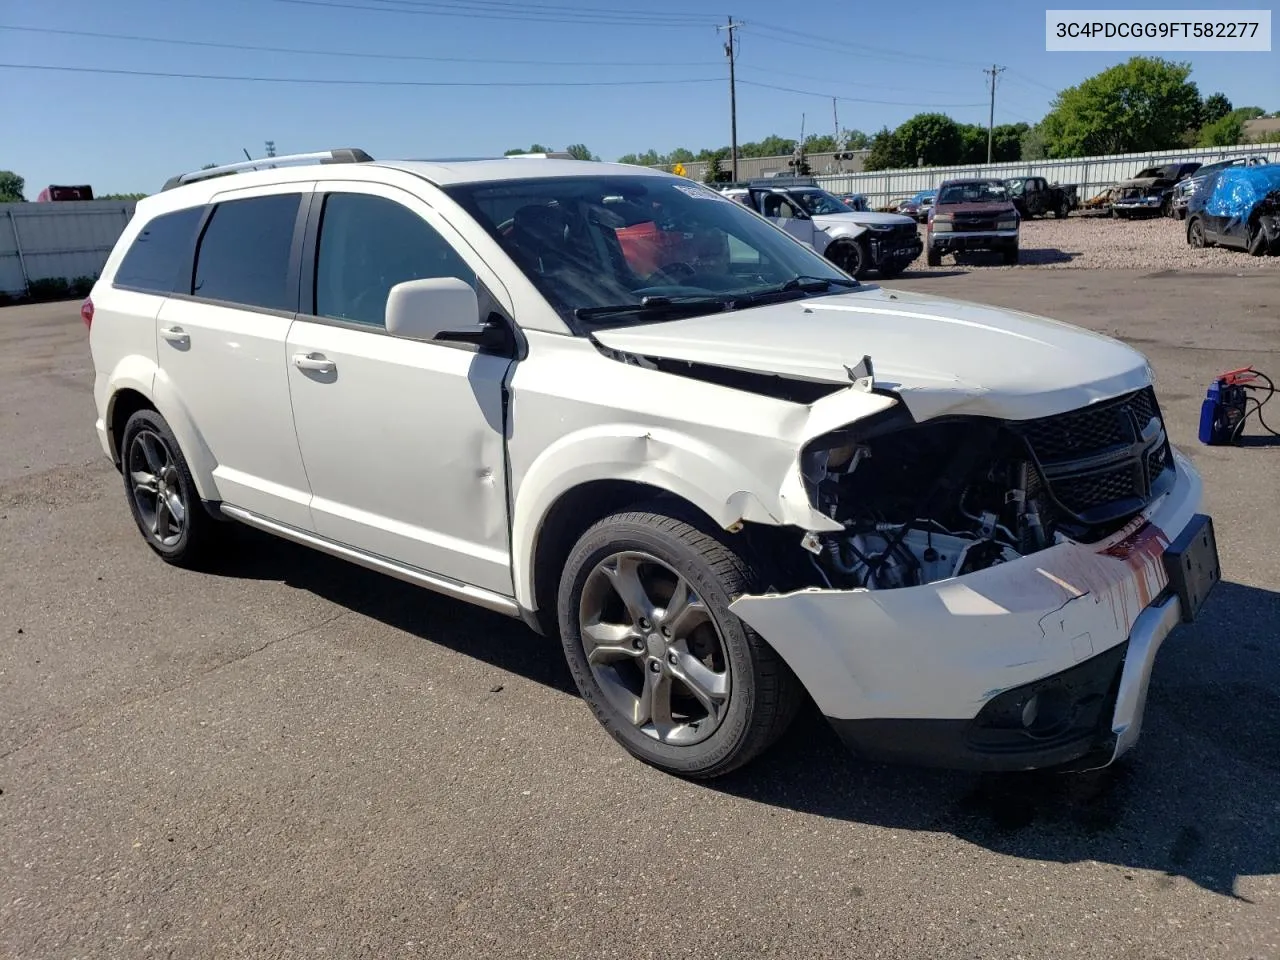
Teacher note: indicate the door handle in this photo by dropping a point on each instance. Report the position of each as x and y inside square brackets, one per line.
[175, 335]
[316, 362]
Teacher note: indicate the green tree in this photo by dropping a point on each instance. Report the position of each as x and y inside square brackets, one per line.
[208, 166]
[1033, 145]
[681, 155]
[1215, 107]
[630, 158]
[1145, 103]
[856, 140]
[973, 143]
[122, 196]
[517, 151]
[11, 187]
[714, 174]
[1227, 130]
[933, 138]
[886, 153]
[578, 151]
[820, 143]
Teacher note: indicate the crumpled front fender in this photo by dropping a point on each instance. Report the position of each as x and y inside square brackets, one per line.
[943, 649]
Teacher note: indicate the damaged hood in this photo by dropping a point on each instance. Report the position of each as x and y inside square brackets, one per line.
[861, 217]
[940, 356]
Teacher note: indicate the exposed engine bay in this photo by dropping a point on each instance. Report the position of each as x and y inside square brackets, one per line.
[926, 502]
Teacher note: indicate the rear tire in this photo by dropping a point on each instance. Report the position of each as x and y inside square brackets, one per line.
[679, 681]
[162, 495]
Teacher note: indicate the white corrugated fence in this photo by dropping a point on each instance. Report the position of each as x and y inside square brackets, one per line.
[66, 240]
[1091, 174]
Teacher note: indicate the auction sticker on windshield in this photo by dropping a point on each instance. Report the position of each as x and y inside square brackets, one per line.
[698, 193]
[1243, 31]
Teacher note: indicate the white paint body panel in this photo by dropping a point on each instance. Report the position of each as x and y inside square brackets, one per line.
[403, 449]
[942, 356]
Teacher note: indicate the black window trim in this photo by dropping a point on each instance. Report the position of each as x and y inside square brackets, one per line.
[517, 345]
[182, 263]
[295, 249]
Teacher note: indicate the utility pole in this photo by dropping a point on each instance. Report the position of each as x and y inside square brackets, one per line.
[991, 117]
[731, 53]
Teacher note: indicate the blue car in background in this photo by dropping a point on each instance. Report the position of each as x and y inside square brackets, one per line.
[918, 207]
[1237, 207]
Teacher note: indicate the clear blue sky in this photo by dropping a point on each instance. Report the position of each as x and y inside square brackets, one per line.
[128, 133]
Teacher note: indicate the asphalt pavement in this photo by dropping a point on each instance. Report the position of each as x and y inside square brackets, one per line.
[294, 757]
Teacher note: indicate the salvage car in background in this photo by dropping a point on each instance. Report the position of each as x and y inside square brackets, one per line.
[1035, 196]
[855, 241]
[918, 206]
[1189, 185]
[725, 486]
[857, 201]
[1150, 191]
[972, 214]
[1237, 207]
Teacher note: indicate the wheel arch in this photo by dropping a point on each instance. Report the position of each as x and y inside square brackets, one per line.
[130, 392]
[583, 479]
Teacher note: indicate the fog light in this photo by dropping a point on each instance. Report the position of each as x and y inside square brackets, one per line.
[1030, 711]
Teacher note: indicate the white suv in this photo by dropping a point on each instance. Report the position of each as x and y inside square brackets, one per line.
[620, 406]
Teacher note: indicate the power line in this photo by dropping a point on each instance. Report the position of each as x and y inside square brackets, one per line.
[349, 53]
[864, 53]
[844, 82]
[335, 81]
[556, 10]
[828, 96]
[468, 13]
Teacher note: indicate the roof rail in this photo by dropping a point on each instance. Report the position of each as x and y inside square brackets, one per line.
[345, 155]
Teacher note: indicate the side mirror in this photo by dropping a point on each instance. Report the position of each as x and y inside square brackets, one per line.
[433, 309]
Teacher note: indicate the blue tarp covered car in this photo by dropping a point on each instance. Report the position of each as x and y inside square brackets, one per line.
[1240, 207]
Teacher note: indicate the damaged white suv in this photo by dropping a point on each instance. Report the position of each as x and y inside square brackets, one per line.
[619, 405]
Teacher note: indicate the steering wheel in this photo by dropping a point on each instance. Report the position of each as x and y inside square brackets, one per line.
[671, 272]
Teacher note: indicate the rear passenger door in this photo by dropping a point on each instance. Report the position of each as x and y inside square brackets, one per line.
[403, 440]
[221, 347]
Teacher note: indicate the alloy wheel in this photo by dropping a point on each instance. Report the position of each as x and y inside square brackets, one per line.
[156, 488]
[654, 649]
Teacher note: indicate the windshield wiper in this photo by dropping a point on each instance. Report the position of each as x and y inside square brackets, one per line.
[796, 286]
[658, 306]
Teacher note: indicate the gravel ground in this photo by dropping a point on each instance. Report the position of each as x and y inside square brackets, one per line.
[1093, 242]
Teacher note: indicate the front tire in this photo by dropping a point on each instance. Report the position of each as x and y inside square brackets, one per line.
[932, 257]
[852, 257]
[162, 495]
[677, 679]
[1011, 255]
[1195, 234]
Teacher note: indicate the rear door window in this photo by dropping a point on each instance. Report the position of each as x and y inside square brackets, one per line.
[159, 252]
[245, 252]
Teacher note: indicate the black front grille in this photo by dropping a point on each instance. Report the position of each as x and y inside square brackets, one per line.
[963, 224]
[1105, 461]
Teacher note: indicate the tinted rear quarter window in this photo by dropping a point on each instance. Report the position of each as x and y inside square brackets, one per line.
[159, 252]
[244, 256]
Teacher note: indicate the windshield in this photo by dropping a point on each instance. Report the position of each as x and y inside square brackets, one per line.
[600, 248]
[981, 191]
[818, 203]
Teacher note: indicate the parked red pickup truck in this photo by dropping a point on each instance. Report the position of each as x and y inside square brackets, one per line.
[972, 215]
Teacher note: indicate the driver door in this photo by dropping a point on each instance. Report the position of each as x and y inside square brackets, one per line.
[780, 209]
[402, 440]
